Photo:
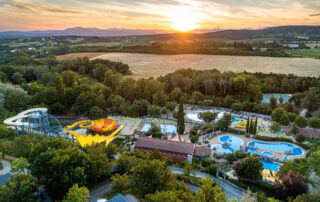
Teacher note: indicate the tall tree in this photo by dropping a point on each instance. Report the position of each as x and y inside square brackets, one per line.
[180, 123]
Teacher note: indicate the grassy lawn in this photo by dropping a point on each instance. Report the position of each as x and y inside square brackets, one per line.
[314, 53]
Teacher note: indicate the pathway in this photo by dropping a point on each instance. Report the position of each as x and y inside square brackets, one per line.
[231, 190]
[99, 190]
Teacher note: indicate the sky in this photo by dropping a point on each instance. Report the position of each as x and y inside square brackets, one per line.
[179, 15]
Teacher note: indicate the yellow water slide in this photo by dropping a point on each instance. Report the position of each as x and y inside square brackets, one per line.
[89, 139]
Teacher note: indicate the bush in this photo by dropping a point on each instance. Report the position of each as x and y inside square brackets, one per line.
[207, 128]
[212, 169]
[300, 138]
[301, 121]
[194, 138]
[275, 127]
[236, 131]
[292, 116]
[295, 129]
[284, 120]
[236, 107]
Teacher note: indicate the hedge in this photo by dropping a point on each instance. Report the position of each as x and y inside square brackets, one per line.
[269, 189]
[236, 131]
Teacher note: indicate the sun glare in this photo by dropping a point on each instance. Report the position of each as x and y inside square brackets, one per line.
[184, 20]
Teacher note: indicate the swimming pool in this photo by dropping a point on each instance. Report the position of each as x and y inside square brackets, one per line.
[165, 128]
[254, 151]
[234, 144]
[279, 147]
[270, 165]
[195, 116]
[267, 96]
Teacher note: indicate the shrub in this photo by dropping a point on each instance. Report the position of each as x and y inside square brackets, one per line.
[275, 127]
[301, 121]
[236, 131]
[295, 129]
[300, 137]
[284, 120]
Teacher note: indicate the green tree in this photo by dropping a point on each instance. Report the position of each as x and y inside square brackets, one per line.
[19, 187]
[275, 127]
[210, 192]
[292, 116]
[284, 120]
[77, 194]
[249, 168]
[301, 121]
[19, 165]
[208, 116]
[277, 114]
[153, 110]
[111, 79]
[295, 129]
[96, 112]
[311, 99]
[61, 168]
[150, 176]
[281, 99]
[307, 198]
[297, 165]
[171, 196]
[69, 78]
[120, 183]
[171, 106]
[225, 121]
[180, 122]
[160, 98]
[273, 102]
[154, 131]
[236, 107]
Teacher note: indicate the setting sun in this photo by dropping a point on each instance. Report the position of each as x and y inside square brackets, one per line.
[184, 20]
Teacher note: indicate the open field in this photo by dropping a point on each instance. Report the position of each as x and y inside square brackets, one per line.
[72, 56]
[146, 65]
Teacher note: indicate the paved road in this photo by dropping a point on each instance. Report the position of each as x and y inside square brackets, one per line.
[231, 190]
[99, 190]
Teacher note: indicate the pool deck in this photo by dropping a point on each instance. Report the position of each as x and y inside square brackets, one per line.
[278, 156]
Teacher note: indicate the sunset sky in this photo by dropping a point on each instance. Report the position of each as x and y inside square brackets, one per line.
[152, 14]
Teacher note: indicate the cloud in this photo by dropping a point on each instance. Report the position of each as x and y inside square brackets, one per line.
[313, 15]
[36, 8]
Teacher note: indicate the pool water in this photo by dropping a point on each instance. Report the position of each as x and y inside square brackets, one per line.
[278, 147]
[165, 128]
[195, 116]
[254, 151]
[267, 96]
[220, 148]
[270, 165]
[234, 144]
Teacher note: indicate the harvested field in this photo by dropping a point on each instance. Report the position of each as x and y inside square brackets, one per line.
[72, 56]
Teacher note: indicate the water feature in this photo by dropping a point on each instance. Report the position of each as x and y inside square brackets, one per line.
[267, 96]
[194, 115]
[165, 128]
[270, 165]
[234, 144]
[254, 151]
[293, 150]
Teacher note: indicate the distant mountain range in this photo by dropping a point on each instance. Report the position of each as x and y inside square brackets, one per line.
[207, 33]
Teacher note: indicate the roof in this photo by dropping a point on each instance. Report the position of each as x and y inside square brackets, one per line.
[202, 151]
[118, 198]
[172, 146]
